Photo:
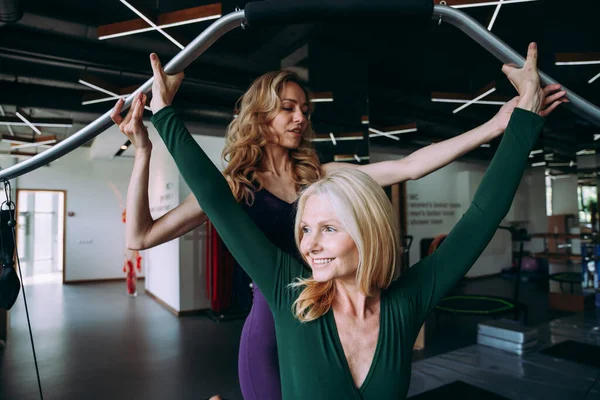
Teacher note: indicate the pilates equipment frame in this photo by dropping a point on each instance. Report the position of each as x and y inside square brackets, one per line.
[338, 10]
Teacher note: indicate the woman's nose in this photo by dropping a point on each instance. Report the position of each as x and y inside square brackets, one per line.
[314, 244]
[299, 116]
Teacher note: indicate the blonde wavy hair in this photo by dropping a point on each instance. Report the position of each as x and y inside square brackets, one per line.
[365, 212]
[247, 135]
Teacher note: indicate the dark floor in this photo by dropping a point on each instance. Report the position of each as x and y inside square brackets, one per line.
[563, 364]
[94, 342]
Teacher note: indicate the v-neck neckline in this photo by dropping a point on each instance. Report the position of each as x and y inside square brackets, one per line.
[342, 354]
[278, 198]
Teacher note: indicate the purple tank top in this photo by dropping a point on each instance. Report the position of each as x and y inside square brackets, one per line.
[275, 218]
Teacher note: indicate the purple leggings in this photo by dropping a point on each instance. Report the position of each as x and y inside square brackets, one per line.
[258, 365]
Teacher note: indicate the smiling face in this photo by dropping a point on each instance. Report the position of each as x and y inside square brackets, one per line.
[325, 245]
[290, 122]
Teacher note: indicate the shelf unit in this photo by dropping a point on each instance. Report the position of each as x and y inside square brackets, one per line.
[558, 246]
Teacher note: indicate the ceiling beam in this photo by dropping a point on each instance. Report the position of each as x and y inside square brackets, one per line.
[18, 153]
[70, 100]
[129, 60]
[466, 3]
[285, 42]
[49, 26]
[29, 140]
[49, 122]
[45, 62]
[166, 20]
[575, 57]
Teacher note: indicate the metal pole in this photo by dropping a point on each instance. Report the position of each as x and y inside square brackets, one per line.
[504, 53]
[180, 62]
[519, 267]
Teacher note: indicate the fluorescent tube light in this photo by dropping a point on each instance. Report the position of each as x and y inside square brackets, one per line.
[481, 96]
[149, 22]
[332, 138]
[29, 124]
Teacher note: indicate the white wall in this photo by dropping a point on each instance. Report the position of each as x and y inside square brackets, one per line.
[564, 196]
[438, 201]
[162, 262]
[192, 246]
[532, 207]
[95, 235]
[564, 201]
[587, 161]
[176, 271]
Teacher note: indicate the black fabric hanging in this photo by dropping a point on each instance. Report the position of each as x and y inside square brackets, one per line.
[10, 285]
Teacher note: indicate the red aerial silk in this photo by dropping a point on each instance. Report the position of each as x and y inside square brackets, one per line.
[219, 270]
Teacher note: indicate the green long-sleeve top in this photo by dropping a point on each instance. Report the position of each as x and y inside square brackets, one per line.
[312, 361]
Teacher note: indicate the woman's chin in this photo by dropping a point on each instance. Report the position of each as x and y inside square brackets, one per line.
[321, 276]
[291, 143]
[292, 146]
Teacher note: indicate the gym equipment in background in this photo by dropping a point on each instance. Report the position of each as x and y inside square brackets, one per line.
[483, 304]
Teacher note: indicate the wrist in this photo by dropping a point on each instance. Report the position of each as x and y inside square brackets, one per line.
[159, 105]
[529, 102]
[143, 151]
[494, 128]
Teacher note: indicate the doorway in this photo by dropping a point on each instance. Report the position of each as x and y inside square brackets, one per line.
[41, 235]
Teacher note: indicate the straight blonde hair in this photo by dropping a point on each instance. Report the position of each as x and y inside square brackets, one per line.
[365, 212]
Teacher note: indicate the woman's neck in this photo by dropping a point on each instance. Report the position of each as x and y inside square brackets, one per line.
[352, 302]
[276, 160]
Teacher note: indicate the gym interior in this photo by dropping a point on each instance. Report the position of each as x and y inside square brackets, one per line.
[95, 319]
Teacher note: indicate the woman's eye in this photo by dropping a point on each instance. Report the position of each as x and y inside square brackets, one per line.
[329, 229]
[305, 229]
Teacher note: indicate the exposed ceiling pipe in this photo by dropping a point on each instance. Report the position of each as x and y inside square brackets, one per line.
[206, 87]
[10, 11]
[58, 98]
[139, 44]
[42, 82]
